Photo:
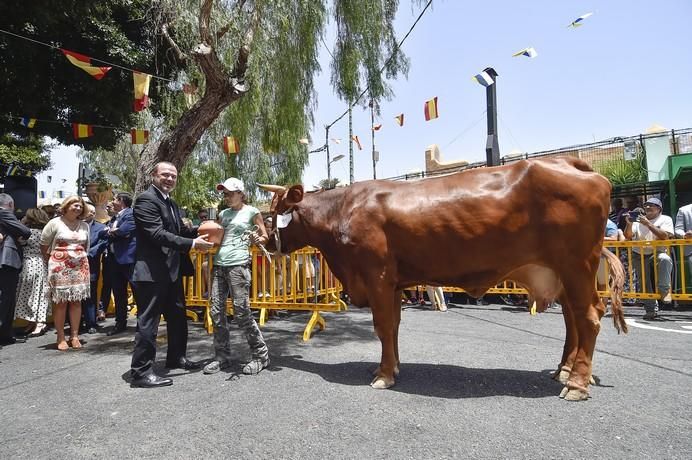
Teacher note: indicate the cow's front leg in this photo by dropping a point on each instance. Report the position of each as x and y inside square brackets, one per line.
[569, 350]
[396, 314]
[384, 321]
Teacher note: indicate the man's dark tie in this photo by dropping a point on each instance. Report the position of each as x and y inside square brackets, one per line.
[173, 215]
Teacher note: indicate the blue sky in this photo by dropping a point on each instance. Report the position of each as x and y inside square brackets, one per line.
[626, 68]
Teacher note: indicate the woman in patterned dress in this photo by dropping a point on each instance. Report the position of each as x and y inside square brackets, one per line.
[32, 303]
[65, 245]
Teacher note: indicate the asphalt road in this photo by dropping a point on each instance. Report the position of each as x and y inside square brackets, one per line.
[474, 383]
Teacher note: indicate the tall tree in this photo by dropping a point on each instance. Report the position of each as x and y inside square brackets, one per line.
[259, 57]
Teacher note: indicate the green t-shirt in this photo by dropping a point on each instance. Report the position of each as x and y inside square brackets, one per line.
[234, 248]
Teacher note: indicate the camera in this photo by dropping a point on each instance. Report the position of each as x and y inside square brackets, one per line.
[634, 214]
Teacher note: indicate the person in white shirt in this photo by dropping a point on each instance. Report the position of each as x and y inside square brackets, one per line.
[652, 225]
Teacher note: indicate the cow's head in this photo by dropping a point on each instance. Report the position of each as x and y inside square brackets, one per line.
[287, 233]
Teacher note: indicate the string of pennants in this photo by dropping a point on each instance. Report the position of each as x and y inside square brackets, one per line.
[231, 145]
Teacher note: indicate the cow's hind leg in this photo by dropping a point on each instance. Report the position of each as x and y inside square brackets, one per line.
[386, 322]
[587, 309]
[569, 350]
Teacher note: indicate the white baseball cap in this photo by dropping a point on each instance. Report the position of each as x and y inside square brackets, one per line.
[232, 185]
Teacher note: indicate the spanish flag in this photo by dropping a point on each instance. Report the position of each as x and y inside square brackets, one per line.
[139, 136]
[84, 63]
[142, 81]
[231, 145]
[400, 119]
[376, 127]
[357, 141]
[28, 122]
[79, 130]
[431, 109]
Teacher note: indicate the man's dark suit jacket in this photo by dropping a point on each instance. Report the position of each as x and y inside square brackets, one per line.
[10, 250]
[123, 238]
[163, 242]
[98, 245]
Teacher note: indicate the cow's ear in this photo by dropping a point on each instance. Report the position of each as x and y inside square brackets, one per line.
[294, 195]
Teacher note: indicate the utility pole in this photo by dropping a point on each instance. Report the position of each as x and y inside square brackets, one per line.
[329, 163]
[350, 141]
[372, 129]
[492, 148]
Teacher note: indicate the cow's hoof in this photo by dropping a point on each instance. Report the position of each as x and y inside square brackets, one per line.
[592, 381]
[563, 392]
[376, 371]
[562, 375]
[382, 383]
[576, 395]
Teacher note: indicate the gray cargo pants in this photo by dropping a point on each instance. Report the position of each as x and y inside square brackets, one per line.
[236, 280]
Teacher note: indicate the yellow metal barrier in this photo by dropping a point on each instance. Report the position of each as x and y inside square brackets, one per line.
[292, 282]
[630, 252]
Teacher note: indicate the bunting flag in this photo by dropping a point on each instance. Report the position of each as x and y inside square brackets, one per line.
[528, 52]
[304, 141]
[231, 145]
[139, 136]
[376, 127]
[357, 141]
[484, 79]
[84, 63]
[189, 90]
[400, 119]
[79, 130]
[141, 81]
[578, 22]
[28, 122]
[431, 109]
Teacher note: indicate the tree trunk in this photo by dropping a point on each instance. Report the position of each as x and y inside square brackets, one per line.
[177, 145]
[221, 90]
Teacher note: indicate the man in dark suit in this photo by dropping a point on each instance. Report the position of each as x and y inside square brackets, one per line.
[97, 244]
[161, 260]
[121, 256]
[11, 253]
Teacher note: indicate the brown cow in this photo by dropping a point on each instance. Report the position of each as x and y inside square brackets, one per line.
[538, 222]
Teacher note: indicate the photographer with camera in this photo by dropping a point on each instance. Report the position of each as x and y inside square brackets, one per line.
[649, 226]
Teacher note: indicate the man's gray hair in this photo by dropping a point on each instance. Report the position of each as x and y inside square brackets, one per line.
[6, 201]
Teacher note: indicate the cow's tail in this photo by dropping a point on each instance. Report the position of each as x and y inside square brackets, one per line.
[616, 286]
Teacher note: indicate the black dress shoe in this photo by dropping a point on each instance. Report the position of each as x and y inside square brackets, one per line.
[184, 363]
[117, 329]
[151, 381]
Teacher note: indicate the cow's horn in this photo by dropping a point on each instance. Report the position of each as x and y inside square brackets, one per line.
[273, 188]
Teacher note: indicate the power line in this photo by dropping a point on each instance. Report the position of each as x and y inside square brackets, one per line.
[367, 88]
[92, 58]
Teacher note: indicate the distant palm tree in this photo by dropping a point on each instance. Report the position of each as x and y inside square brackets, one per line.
[328, 184]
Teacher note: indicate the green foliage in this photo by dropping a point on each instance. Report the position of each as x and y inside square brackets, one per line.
[196, 188]
[28, 153]
[329, 184]
[619, 171]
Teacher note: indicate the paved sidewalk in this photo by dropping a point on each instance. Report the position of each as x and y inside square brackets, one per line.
[474, 383]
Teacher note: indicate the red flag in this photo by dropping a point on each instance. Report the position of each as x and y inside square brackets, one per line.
[231, 145]
[141, 81]
[139, 136]
[357, 141]
[84, 63]
[376, 127]
[80, 131]
[400, 119]
[431, 109]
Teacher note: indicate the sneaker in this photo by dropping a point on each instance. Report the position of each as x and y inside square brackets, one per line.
[255, 366]
[215, 366]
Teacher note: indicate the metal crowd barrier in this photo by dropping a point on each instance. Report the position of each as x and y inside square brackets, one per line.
[631, 253]
[299, 281]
